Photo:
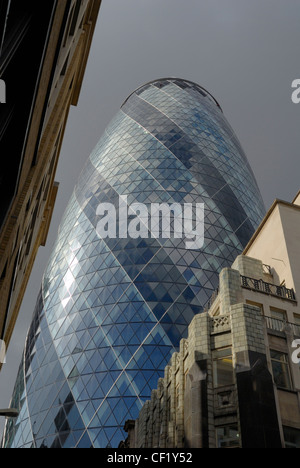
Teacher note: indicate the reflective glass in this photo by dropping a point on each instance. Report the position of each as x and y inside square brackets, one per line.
[112, 311]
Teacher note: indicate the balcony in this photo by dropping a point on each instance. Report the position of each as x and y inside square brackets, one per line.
[282, 326]
[268, 288]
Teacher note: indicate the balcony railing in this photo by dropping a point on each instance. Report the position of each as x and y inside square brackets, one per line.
[268, 288]
[221, 323]
[282, 325]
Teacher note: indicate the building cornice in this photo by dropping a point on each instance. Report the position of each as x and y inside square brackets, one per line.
[276, 203]
[297, 196]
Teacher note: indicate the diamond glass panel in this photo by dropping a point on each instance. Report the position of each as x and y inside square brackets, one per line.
[112, 311]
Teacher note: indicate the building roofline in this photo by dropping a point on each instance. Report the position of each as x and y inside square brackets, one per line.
[296, 196]
[276, 203]
[177, 79]
[89, 32]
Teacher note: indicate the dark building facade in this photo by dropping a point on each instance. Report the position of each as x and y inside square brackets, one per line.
[44, 47]
[113, 310]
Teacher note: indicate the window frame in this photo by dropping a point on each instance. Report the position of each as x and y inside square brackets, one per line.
[216, 369]
[287, 430]
[284, 364]
[234, 427]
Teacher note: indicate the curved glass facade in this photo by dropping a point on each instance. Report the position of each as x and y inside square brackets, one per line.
[112, 311]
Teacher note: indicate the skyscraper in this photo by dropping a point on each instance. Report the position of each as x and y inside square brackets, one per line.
[112, 310]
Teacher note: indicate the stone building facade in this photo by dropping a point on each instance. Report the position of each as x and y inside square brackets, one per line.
[233, 383]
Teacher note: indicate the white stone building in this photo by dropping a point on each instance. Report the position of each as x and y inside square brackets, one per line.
[235, 381]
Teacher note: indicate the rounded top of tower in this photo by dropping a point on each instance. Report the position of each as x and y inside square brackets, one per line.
[181, 83]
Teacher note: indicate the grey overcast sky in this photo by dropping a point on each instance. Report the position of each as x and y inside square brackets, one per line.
[245, 52]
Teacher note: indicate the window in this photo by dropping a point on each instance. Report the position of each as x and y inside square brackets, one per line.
[65, 66]
[228, 437]
[291, 437]
[161, 407]
[28, 203]
[16, 240]
[223, 367]
[297, 324]
[147, 425]
[278, 314]
[297, 319]
[281, 369]
[154, 419]
[75, 17]
[185, 378]
[256, 304]
[39, 194]
[68, 26]
[169, 413]
[177, 396]
[278, 318]
[72, 21]
[3, 274]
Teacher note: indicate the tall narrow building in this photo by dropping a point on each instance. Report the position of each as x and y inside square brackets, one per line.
[112, 310]
[44, 48]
